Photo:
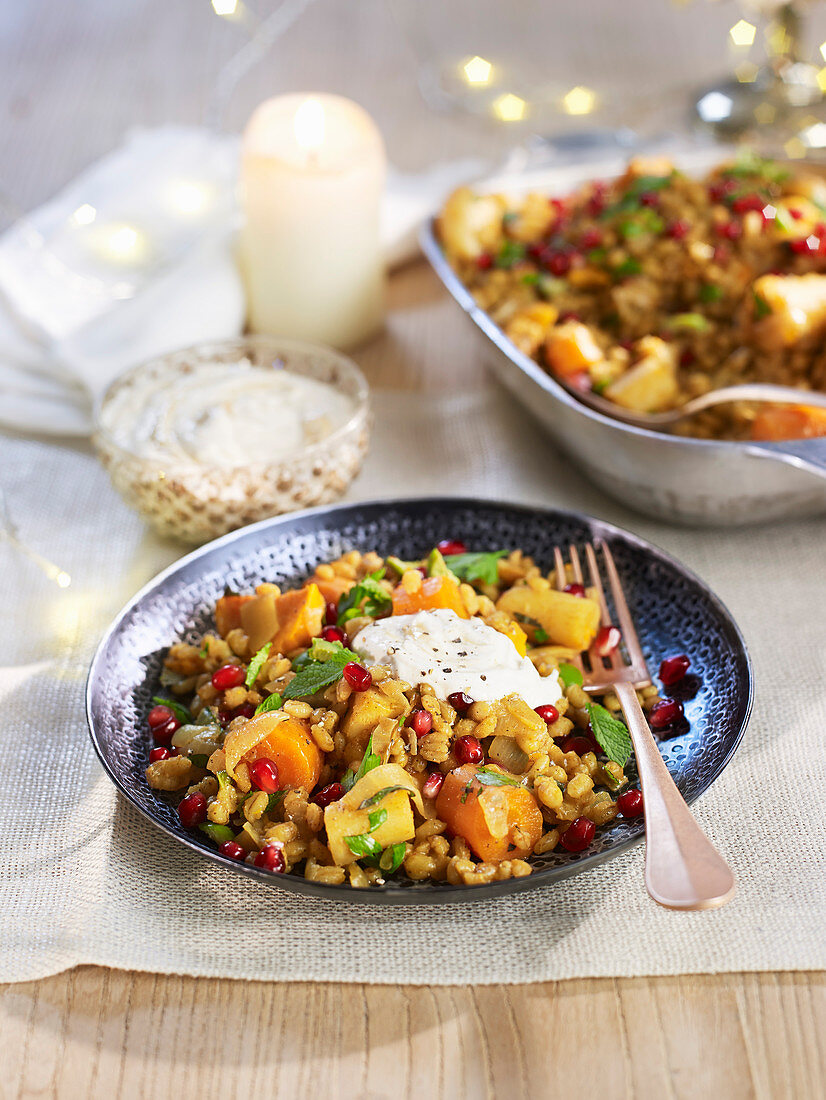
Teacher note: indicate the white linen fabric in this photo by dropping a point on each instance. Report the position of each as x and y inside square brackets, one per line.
[85, 879]
[71, 321]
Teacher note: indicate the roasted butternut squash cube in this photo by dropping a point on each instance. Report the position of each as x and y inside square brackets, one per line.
[340, 821]
[290, 621]
[498, 822]
[228, 613]
[434, 594]
[571, 348]
[568, 620]
[797, 304]
[651, 384]
[778, 422]
[367, 708]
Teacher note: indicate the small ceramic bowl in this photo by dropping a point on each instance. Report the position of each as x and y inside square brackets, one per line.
[195, 501]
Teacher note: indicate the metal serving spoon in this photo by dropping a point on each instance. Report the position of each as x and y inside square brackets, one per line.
[749, 392]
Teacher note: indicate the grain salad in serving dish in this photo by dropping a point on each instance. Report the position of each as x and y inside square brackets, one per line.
[395, 718]
[655, 287]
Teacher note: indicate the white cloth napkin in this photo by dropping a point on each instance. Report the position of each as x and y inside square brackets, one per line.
[72, 317]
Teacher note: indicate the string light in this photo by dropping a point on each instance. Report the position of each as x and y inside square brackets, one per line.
[224, 7]
[822, 48]
[9, 531]
[190, 198]
[742, 33]
[509, 107]
[478, 71]
[579, 101]
[747, 72]
[123, 241]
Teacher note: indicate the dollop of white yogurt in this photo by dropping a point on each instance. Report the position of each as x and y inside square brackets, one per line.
[453, 654]
[224, 414]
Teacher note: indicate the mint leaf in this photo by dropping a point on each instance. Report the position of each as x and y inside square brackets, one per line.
[476, 567]
[313, 675]
[180, 711]
[510, 253]
[611, 735]
[369, 761]
[365, 598]
[272, 702]
[761, 307]
[688, 322]
[540, 635]
[628, 267]
[489, 778]
[256, 664]
[274, 799]
[364, 846]
[377, 818]
[379, 795]
[710, 292]
[569, 674]
[391, 858]
[199, 759]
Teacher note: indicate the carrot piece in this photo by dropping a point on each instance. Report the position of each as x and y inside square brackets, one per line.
[291, 748]
[228, 613]
[290, 621]
[434, 594]
[485, 816]
[788, 422]
[332, 589]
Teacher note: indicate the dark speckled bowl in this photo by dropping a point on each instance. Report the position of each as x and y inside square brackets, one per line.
[674, 612]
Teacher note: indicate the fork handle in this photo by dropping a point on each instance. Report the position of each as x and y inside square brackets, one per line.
[683, 869]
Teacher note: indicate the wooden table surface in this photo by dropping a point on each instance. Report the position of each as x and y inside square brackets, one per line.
[74, 77]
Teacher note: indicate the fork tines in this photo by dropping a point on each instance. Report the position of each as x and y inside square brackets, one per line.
[605, 671]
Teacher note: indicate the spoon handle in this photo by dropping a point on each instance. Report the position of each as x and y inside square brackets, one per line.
[807, 454]
[683, 869]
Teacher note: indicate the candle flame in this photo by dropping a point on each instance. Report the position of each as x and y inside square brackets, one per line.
[309, 124]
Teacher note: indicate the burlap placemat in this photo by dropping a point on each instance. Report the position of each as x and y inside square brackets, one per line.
[86, 880]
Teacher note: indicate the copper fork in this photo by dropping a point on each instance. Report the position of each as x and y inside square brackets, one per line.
[683, 870]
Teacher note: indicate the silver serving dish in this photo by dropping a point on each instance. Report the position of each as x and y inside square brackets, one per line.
[692, 481]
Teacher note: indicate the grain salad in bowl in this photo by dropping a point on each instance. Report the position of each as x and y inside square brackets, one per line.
[656, 287]
[395, 719]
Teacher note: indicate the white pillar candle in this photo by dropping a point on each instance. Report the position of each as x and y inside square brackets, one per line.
[312, 176]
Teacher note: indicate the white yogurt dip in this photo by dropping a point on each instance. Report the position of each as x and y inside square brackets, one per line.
[224, 415]
[453, 654]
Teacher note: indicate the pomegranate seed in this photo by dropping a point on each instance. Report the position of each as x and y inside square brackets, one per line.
[467, 750]
[163, 734]
[677, 230]
[558, 263]
[232, 850]
[743, 203]
[228, 676]
[687, 357]
[569, 315]
[607, 640]
[460, 702]
[246, 710]
[730, 230]
[548, 713]
[574, 589]
[333, 634]
[664, 713]
[595, 205]
[578, 835]
[558, 205]
[484, 261]
[721, 255]
[331, 613]
[158, 715]
[192, 810]
[271, 858]
[649, 198]
[720, 189]
[796, 214]
[685, 689]
[433, 784]
[451, 546]
[160, 753]
[264, 774]
[580, 744]
[580, 381]
[421, 722]
[591, 238]
[357, 676]
[423, 570]
[673, 669]
[331, 793]
[805, 246]
[629, 803]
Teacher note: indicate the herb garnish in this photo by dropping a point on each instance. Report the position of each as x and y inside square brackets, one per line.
[369, 761]
[272, 702]
[487, 777]
[761, 307]
[611, 735]
[256, 664]
[476, 567]
[540, 635]
[180, 711]
[688, 322]
[379, 795]
[365, 598]
[710, 292]
[510, 253]
[363, 844]
[318, 674]
[218, 833]
[628, 267]
[569, 674]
